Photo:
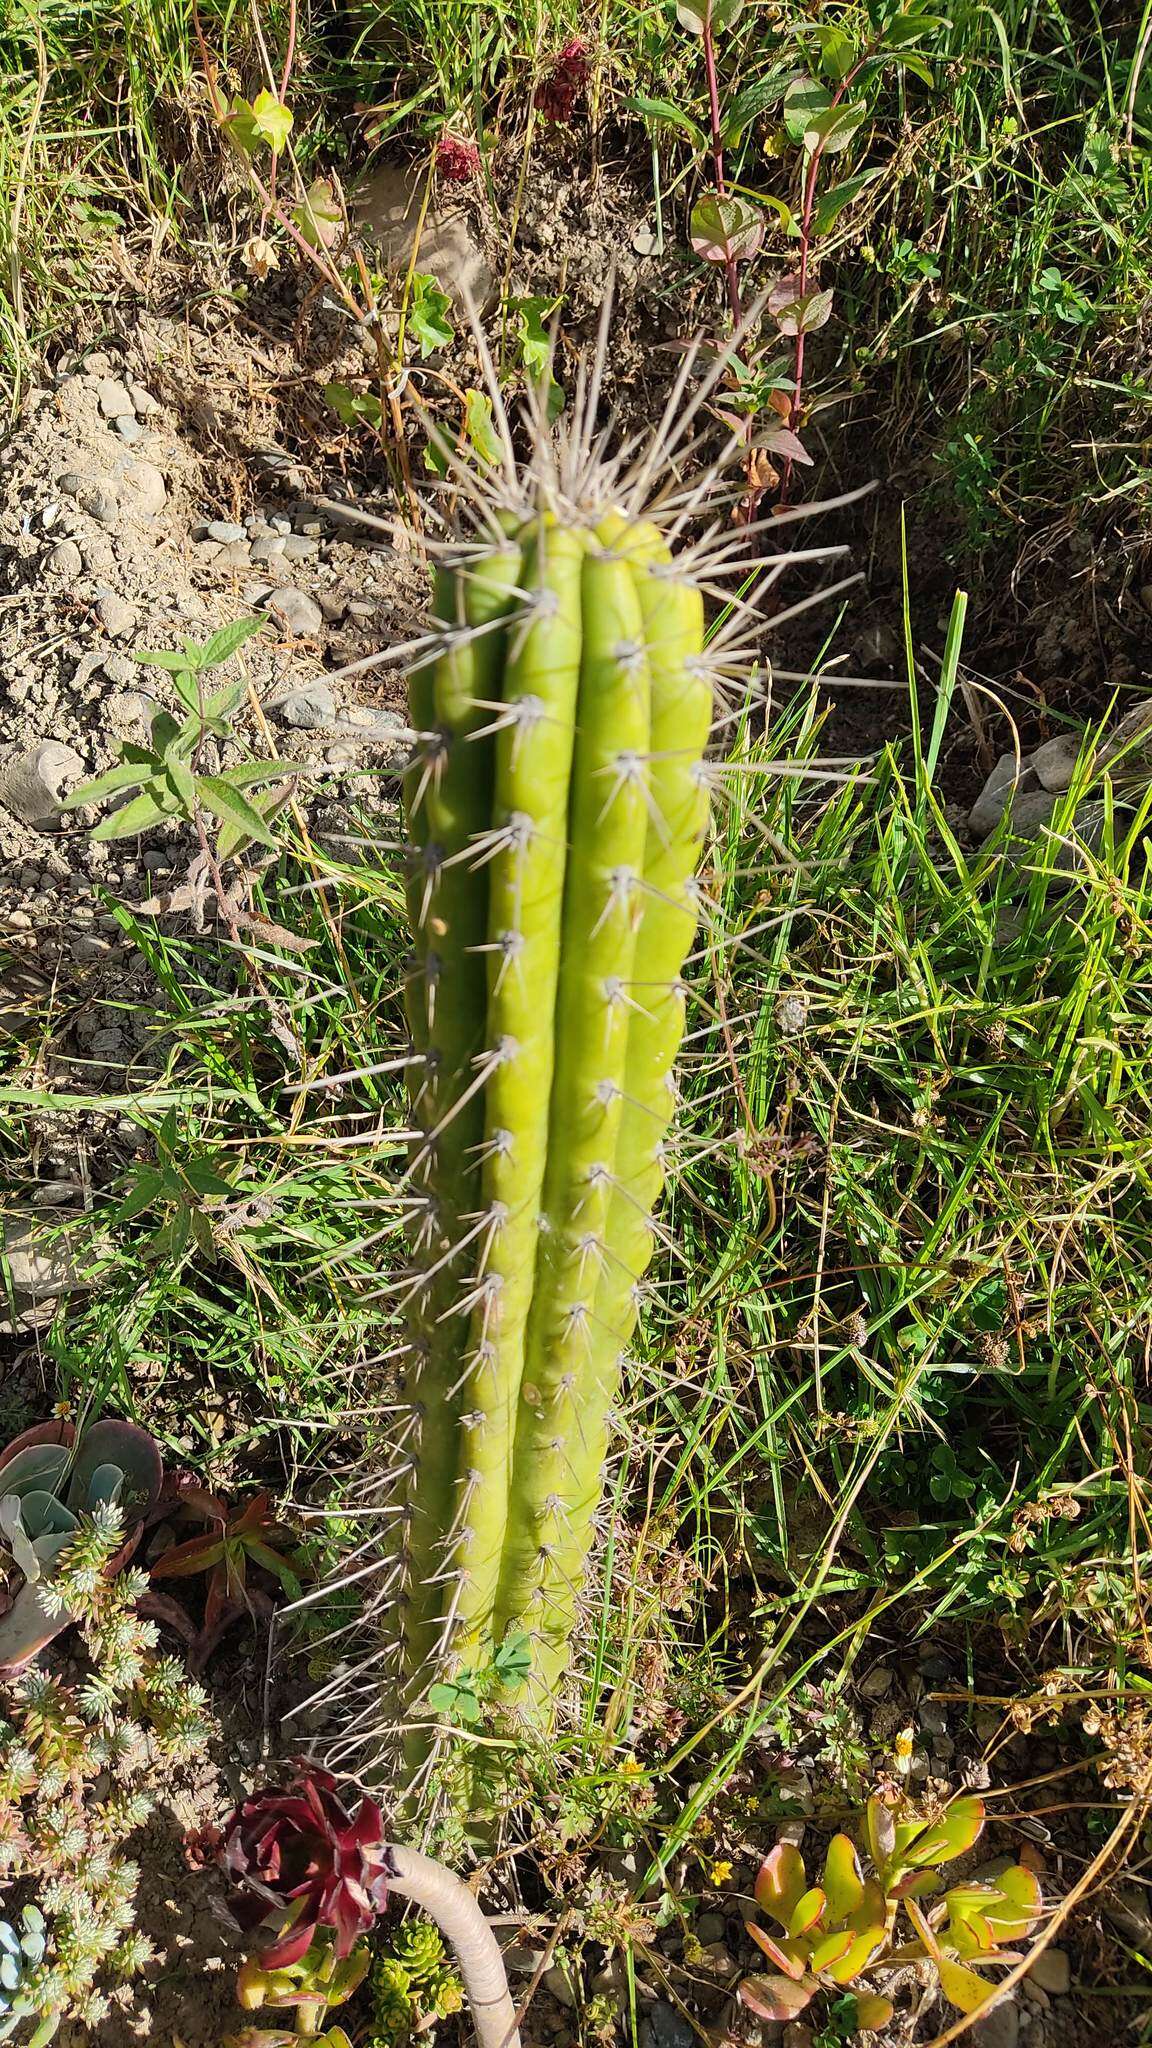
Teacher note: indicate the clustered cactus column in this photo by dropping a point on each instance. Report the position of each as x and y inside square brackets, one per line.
[556, 805]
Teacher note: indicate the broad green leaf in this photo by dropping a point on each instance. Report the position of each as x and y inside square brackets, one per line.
[513, 1660]
[125, 775]
[721, 229]
[908, 61]
[837, 51]
[843, 1884]
[182, 783]
[781, 1882]
[534, 338]
[833, 129]
[165, 657]
[354, 406]
[874, 2012]
[457, 1697]
[789, 1956]
[833, 1949]
[428, 314]
[225, 801]
[830, 205]
[272, 120]
[318, 215]
[188, 691]
[803, 102]
[148, 809]
[908, 28]
[666, 111]
[776, 1998]
[692, 14]
[1016, 1904]
[880, 1828]
[950, 1836]
[865, 1946]
[479, 427]
[962, 1987]
[228, 641]
[807, 1911]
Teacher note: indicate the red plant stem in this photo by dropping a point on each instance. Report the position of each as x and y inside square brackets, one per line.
[807, 208]
[734, 305]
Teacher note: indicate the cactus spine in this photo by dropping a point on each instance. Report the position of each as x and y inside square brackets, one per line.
[556, 803]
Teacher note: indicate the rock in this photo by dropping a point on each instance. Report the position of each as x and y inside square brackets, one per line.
[65, 560]
[878, 643]
[148, 488]
[933, 1718]
[309, 707]
[1055, 762]
[999, 2028]
[117, 616]
[1035, 1996]
[119, 668]
[521, 1959]
[332, 606]
[388, 208]
[1131, 1916]
[225, 530]
[101, 500]
[266, 547]
[32, 786]
[296, 611]
[341, 755]
[39, 1264]
[279, 523]
[664, 2027]
[876, 1684]
[142, 399]
[129, 429]
[1031, 810]
[115, 403]
[128, 712]
[710, 1927]
[298, 547]
[555, 1981]
[1052, 1971]
[996, 794]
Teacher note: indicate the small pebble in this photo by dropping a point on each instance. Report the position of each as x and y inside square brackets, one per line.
[279, 523]
[296, 611]
[115, 403]
[117, 616]
[101, 500]
[1052, 1971]
[225, 530]
[341, 755]
[65, 559]
[877, 1683]
[266, 547]
[312, 706]
[142, 399]
[148, 487]
[299, 548]
[129, 429]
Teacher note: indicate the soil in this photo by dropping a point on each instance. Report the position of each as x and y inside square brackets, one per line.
[188, 408]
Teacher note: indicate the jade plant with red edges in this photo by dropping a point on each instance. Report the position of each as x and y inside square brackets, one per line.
[828, 1934]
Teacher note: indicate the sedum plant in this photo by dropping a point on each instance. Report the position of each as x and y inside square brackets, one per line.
[557, 803]
[830, 1933]
[75, 1759]
[48, 1483]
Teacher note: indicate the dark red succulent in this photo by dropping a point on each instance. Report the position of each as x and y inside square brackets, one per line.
[296, 1850]
[457, 161]
[563, 83]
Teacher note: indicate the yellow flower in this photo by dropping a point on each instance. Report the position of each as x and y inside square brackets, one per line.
[721, 1873]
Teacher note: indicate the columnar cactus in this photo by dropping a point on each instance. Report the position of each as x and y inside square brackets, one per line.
[557, 801]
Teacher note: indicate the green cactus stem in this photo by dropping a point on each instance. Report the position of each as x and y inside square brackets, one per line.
[557, 804]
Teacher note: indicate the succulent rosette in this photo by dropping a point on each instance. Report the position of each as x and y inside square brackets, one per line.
[297, 1851]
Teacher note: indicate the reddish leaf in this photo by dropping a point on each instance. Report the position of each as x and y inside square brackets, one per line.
[776, 1998]
[781, 1882]
[723, 230]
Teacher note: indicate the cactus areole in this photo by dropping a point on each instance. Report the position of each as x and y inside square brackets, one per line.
[556, 803]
